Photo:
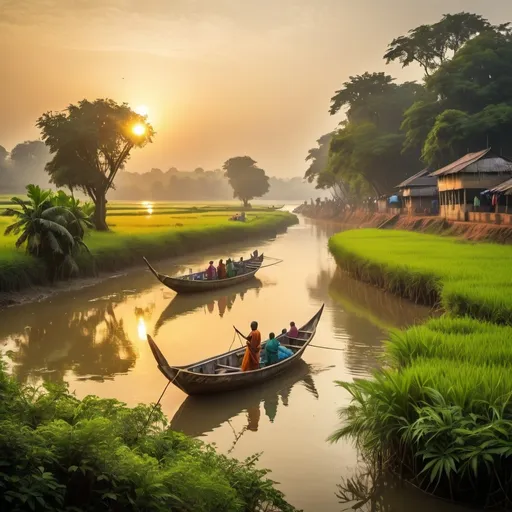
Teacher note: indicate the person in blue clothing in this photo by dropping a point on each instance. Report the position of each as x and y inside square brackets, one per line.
[272, 349]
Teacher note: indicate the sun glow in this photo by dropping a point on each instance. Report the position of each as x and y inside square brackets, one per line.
[148, 206]
[141, 329]
[139, 129]
[142, 110]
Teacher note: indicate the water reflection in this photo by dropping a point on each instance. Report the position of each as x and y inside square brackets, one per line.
[95, 346]
[225, 299]
[200, 414]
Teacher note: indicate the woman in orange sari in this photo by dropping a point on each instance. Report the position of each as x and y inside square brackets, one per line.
[251, 359]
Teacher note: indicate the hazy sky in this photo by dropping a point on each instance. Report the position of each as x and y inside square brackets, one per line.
[220, 77]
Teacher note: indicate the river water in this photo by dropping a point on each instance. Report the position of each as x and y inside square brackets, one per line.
[94, 339]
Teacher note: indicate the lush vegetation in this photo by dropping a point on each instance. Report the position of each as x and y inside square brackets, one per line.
[153, 230]
[440, 412]
[466, 279]
[393, 130]
[90, 142]
[58, 453]
[50, 227]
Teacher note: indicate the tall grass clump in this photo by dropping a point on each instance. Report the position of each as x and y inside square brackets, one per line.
[464, 278]
[440, 411]
[60, 453]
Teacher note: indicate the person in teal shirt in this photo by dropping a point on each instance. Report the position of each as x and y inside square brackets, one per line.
[272, 349]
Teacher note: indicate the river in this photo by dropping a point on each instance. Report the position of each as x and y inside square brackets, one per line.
[94, 339]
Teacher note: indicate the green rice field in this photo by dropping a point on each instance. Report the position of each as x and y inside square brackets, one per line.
[439, 412]
[145, 229]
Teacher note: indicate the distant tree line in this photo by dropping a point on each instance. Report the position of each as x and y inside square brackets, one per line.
[392, 131]
[200, 185]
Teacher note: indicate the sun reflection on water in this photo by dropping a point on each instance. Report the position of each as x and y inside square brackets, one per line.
[141, 329]
[149, 206]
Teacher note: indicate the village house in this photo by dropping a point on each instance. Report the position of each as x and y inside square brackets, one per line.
[419, 192]
[469, 177]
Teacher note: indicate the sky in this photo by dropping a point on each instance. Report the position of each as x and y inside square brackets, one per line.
[220, 78]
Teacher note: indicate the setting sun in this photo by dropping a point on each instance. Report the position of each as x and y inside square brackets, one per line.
[139, 129]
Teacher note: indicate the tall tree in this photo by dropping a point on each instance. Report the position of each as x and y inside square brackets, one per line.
[90, 142]
[368, 144]
[246, 180]
[469, 102]
[318, 158]
[430, 45]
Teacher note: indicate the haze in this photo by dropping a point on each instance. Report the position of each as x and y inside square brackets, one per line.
[220, 78]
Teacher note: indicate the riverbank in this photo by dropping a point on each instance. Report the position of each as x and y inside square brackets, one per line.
[439, 413]
[134, 236]
[474, 231]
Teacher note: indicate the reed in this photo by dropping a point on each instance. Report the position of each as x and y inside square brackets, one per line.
[440, 412]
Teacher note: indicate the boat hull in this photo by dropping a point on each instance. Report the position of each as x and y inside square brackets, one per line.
[183, 285]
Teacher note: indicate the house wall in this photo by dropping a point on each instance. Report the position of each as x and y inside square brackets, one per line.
[477, 181]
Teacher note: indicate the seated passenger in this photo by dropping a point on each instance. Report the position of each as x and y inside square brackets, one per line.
[211, 273]
[293, 332]
[221, 270]
[272, 349]
[230, 268]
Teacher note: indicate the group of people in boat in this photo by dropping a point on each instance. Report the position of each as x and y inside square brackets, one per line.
[273, 351]
[231, 268]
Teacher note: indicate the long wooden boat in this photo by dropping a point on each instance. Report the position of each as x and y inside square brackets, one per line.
[193, 283]
[222, 373]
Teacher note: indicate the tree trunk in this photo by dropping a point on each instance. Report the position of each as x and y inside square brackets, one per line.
[246, 203]
[100, 212]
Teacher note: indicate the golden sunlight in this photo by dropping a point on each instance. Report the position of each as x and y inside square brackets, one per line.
[142, 110]
[141, 329]
[148, 206]
[139, 129]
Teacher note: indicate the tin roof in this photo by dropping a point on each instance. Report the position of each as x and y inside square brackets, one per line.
[420, 179]
[480, 162]
[503, 188]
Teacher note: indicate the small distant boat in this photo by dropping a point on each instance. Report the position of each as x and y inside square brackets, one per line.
[195, 282]
[222, 373]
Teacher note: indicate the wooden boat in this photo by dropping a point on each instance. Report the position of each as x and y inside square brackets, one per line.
[193, 283]
[222, 373]
[182, 304]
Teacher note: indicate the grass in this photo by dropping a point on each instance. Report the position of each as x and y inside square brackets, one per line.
[440, 412]
[465, 278]
[135, 233]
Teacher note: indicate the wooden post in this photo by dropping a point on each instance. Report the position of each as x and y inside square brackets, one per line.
[506, 203]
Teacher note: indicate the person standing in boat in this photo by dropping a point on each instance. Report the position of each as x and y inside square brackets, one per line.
[251, 359]
[211, 273]
[221, 270]
[272, 349]
[241, 266]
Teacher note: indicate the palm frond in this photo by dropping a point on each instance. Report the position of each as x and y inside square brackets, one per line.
[55, 228]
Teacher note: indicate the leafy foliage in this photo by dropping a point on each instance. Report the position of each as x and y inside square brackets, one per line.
[90, 143]
[59, 453]
[49, 229]
[247, 180]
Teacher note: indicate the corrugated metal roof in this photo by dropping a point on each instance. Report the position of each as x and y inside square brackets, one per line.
[461, 163]
[420, 179]
[503, 188]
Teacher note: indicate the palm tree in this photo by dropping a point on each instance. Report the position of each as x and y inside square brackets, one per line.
[43, 228]
[82, 213]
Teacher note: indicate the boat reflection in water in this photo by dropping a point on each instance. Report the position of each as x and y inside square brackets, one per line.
[184, 304]
[199, 415]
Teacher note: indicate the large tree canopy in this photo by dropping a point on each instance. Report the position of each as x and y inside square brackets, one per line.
[469, 103]
[247, 180]
[431, 45]
[369, 143]
[90, 142]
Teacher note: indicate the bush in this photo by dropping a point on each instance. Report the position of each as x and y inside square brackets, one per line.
[60, 453]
